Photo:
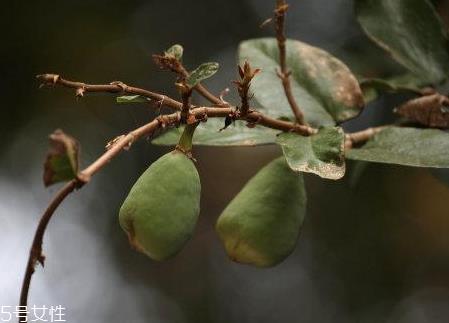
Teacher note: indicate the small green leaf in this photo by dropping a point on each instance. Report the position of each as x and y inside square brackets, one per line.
[406, 146]
[323, 86]
[411, 31]
[176, 51]
[201, 73]
[125, 99]
[209, 134]
[61, 163]
[321, 154]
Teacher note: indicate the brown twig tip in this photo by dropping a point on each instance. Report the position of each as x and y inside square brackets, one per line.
[281, 8]
[284, 73]
[246, 73]
[169, 63]
[48, 79]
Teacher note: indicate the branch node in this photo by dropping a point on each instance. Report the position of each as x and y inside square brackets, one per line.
[121, 85]
[254, 121]
[82, 179]
[130, 142]
[37, 256]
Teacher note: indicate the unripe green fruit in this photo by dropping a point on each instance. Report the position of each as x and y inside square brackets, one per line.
[260, 226]
[161, 210]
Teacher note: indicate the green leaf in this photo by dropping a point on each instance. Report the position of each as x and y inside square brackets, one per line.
[125, 99]
[406, 146]
[323, 86]
[373, 87]
[176, 51]
[321, 154]
[209, 134]
[411, 31]
[201, 73]
[61, 163]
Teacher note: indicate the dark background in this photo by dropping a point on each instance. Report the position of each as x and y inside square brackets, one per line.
[374, 246]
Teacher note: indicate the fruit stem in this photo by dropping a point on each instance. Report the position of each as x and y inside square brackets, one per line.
[185, 142]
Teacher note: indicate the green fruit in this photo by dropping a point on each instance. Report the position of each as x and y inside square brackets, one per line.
[260, 226]
[161, 210]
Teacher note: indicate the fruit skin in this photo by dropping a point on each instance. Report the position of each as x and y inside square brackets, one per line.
[162, 208]
[260, 226]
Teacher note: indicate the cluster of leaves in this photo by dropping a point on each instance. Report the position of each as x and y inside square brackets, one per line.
[329, 94]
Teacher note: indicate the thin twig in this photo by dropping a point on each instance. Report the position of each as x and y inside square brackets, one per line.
[113, 87]
[252, 117]
[352, 139]
[36, 248]
[176, 66]
[284, 73]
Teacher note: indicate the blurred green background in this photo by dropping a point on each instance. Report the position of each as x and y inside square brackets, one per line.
[374, 246]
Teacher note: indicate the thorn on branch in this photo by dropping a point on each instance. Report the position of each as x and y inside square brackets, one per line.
[38, 256]
[222, 95]
[266, 22]
[130, 143]
[79, 93]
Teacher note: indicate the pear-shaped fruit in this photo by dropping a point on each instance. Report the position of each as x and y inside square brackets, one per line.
[260, 226]
[161, 210]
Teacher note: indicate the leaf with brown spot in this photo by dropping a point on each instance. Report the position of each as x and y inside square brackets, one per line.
[324, 87]
[431, 111]
[61, 164]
